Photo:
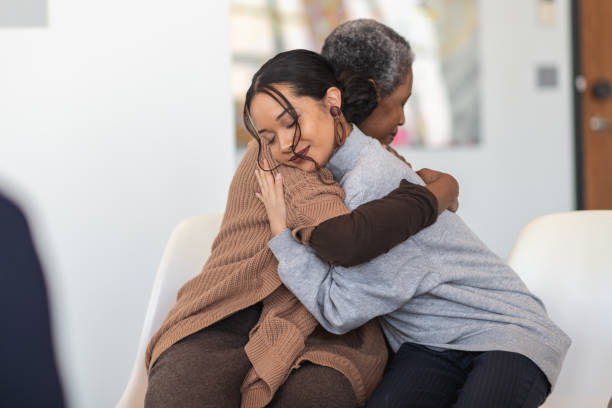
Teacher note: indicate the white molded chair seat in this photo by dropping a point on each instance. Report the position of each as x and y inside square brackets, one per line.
[186, 252]
[566, 260]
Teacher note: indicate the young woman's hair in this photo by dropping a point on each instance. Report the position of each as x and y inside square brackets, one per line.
[308, 74]
[371, 49]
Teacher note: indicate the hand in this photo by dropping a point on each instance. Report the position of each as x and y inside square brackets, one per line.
[429, 175]
[272, 197]
[454, 205]
[396, 154]
[444, 187]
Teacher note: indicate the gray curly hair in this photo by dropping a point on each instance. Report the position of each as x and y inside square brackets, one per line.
[369, 48]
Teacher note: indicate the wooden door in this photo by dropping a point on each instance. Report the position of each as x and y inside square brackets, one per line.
[594, 144]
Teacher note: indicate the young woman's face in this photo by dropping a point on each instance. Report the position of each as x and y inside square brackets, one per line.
[276, 127]
[383, 122]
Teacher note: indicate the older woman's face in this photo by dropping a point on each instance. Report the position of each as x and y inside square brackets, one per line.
[383, 122]
[276, 128]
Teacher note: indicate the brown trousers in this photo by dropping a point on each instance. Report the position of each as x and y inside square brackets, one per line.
[206, 369]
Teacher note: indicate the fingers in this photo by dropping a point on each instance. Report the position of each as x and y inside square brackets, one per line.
[423, 174]
[268, 184]
[429, 175]
[262, 185]
[263, 179]
[278, 185]
[259, 180]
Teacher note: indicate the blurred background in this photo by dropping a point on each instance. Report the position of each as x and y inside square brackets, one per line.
[443, 110]
[118, 120]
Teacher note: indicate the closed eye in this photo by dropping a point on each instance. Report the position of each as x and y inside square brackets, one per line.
[267, 135]
[294, 122]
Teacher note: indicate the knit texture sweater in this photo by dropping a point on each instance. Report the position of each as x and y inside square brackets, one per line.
[242, 271]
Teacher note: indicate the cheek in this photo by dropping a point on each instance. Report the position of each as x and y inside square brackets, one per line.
[388, 117]
[275, 153]
[322, 140]
[371, 126]
[392, 117]
[277, 156]
[313, 130]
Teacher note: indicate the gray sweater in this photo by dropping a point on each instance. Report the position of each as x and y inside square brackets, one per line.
[441, 288]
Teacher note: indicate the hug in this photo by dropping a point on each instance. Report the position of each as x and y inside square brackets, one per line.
[340, 276]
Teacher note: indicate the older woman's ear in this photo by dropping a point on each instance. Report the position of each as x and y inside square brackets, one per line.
[373, 82]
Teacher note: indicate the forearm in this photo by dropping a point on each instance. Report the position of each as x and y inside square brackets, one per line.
[304, 274]
[339, 299]
[373, 228]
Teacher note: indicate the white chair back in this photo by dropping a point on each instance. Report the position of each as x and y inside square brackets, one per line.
[566, 260]
[186, 252]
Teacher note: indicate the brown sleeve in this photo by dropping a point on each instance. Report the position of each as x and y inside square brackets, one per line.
[375, 227]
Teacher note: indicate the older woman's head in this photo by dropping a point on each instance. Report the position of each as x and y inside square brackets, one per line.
[369, 48]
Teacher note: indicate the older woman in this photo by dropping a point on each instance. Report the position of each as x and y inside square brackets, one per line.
[465, 329]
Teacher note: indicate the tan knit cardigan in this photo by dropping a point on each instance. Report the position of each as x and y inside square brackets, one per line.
[242, 271]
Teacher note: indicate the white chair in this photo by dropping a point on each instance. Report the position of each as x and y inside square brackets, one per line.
[566, 260]
[185, 254]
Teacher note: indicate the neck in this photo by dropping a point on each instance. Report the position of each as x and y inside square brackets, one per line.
[348, 127]
[343, 158]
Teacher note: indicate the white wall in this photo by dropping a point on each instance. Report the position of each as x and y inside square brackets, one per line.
[115, 124]
[524, 166]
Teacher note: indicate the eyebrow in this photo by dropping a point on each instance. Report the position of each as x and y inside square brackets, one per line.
[277, 118]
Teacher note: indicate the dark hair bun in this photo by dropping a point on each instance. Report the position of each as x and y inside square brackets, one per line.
[359, 96]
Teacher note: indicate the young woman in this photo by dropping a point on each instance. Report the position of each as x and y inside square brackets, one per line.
[465, 329]
[236, 335]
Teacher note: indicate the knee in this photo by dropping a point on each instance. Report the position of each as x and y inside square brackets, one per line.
[315, 386]
[186, 376]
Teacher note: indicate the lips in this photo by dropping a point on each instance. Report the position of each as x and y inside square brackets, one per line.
[302, 152]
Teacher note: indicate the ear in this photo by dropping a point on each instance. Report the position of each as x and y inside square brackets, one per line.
[333, 97]
[373, 82]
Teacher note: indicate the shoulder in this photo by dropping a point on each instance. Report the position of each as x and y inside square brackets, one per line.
[375, 169]
[244, 180]
[301, 186]
[10, 215]
[14, 225]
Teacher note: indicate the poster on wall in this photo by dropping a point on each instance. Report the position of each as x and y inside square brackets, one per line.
[444, 108]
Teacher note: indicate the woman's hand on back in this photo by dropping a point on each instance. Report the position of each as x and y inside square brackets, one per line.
[273, 198]
[444, 187]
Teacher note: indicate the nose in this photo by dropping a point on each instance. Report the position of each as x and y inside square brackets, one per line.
[286, 141]
[402, 118]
